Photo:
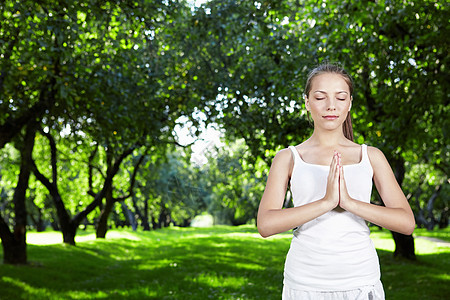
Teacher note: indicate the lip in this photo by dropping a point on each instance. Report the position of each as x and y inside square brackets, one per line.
[330, 117]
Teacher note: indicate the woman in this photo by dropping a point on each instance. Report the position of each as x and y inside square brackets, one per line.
[331, 254]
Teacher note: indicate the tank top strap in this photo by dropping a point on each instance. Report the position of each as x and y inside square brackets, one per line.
[364, 156]
[365, 161]
[295, 153]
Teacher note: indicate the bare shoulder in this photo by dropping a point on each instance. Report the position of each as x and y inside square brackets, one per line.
[283, 163]
[283, 156]
[375, 154]
[377, 159]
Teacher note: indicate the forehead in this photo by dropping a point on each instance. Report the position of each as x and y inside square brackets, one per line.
[329, 82]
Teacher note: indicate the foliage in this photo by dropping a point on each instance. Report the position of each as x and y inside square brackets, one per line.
[105, 73]
[254, 62]
[235, 185]
[173, 190]
[222, 262]
[395, 51]
[427, 189]
[9, 168]
[107, 78]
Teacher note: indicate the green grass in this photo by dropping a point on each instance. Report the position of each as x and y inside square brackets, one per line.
[443, 234]
[195, 263]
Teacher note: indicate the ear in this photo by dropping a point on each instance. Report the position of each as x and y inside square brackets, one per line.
[306, 103]
[351, 101]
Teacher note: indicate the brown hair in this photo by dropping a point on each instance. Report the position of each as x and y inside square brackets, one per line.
[335, 69]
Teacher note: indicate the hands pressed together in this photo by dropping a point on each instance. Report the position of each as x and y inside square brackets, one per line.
[336, 193]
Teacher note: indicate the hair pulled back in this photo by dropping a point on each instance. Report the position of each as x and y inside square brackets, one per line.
[334, 69]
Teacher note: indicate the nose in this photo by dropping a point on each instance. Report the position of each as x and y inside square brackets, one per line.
[331, 105]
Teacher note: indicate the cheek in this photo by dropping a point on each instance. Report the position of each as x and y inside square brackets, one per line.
[316, 105]
[349, 105]
[345, 106]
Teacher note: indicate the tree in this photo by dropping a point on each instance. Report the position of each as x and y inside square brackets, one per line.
[234, 184]
[25, 97]
[175, 191]
[246, 50]
[14, 243]
[394, 50]
[397, 56]
[107, 72]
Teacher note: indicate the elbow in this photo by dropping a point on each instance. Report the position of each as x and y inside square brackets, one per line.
[263, 230]
[407, 224]
[407, 231]
[263, 233]
[408, 227]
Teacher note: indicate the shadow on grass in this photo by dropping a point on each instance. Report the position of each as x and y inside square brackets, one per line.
[426, 278]
[191, 263]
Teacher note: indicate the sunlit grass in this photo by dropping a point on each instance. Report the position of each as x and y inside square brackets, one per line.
[443, 234]
[52, 237]
[220, 262]
[383, 240]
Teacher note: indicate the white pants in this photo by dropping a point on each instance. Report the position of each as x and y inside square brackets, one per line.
[370, 292]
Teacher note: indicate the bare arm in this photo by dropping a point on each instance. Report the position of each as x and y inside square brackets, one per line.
[396, 215]
[272, 218]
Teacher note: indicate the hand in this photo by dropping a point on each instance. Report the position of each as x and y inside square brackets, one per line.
[332, 194]
[344, 197]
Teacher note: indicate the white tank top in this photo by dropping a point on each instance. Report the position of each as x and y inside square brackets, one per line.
[334, 251]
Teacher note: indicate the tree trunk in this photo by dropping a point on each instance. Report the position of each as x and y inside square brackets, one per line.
[54, 223]
[69, 233]
[145, 223]
[8, 245]
[155, 224]
[14, 244]
[38, 222]
[15, 250]
[404, 246]
[443, 220]
[102, 226]
[64, 218]
[129, 216]
[70, 225]
[164, 218]
[143, 216]
[430, 206]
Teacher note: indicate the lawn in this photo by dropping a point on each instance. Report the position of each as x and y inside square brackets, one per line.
[197, 263]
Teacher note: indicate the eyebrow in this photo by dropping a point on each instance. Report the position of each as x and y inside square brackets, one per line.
[319, 91]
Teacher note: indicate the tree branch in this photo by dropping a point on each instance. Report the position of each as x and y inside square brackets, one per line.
[106, 185]
[133, 177]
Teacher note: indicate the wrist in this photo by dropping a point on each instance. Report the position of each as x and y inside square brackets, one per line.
[328, 204]
[348, 204]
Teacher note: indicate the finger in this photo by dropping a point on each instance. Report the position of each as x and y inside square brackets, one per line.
[334, 167]
[341, 177]
[333, 160]
[333, 163]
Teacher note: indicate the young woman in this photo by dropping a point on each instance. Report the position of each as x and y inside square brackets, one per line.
[331, 254]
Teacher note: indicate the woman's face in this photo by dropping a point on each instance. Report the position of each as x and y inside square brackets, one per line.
[329, 100]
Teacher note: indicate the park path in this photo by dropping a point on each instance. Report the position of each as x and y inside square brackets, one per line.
[439, 242]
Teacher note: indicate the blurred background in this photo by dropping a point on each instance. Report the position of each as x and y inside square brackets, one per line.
[147, 114]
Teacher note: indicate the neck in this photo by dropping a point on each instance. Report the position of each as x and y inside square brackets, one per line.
[328, 138]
